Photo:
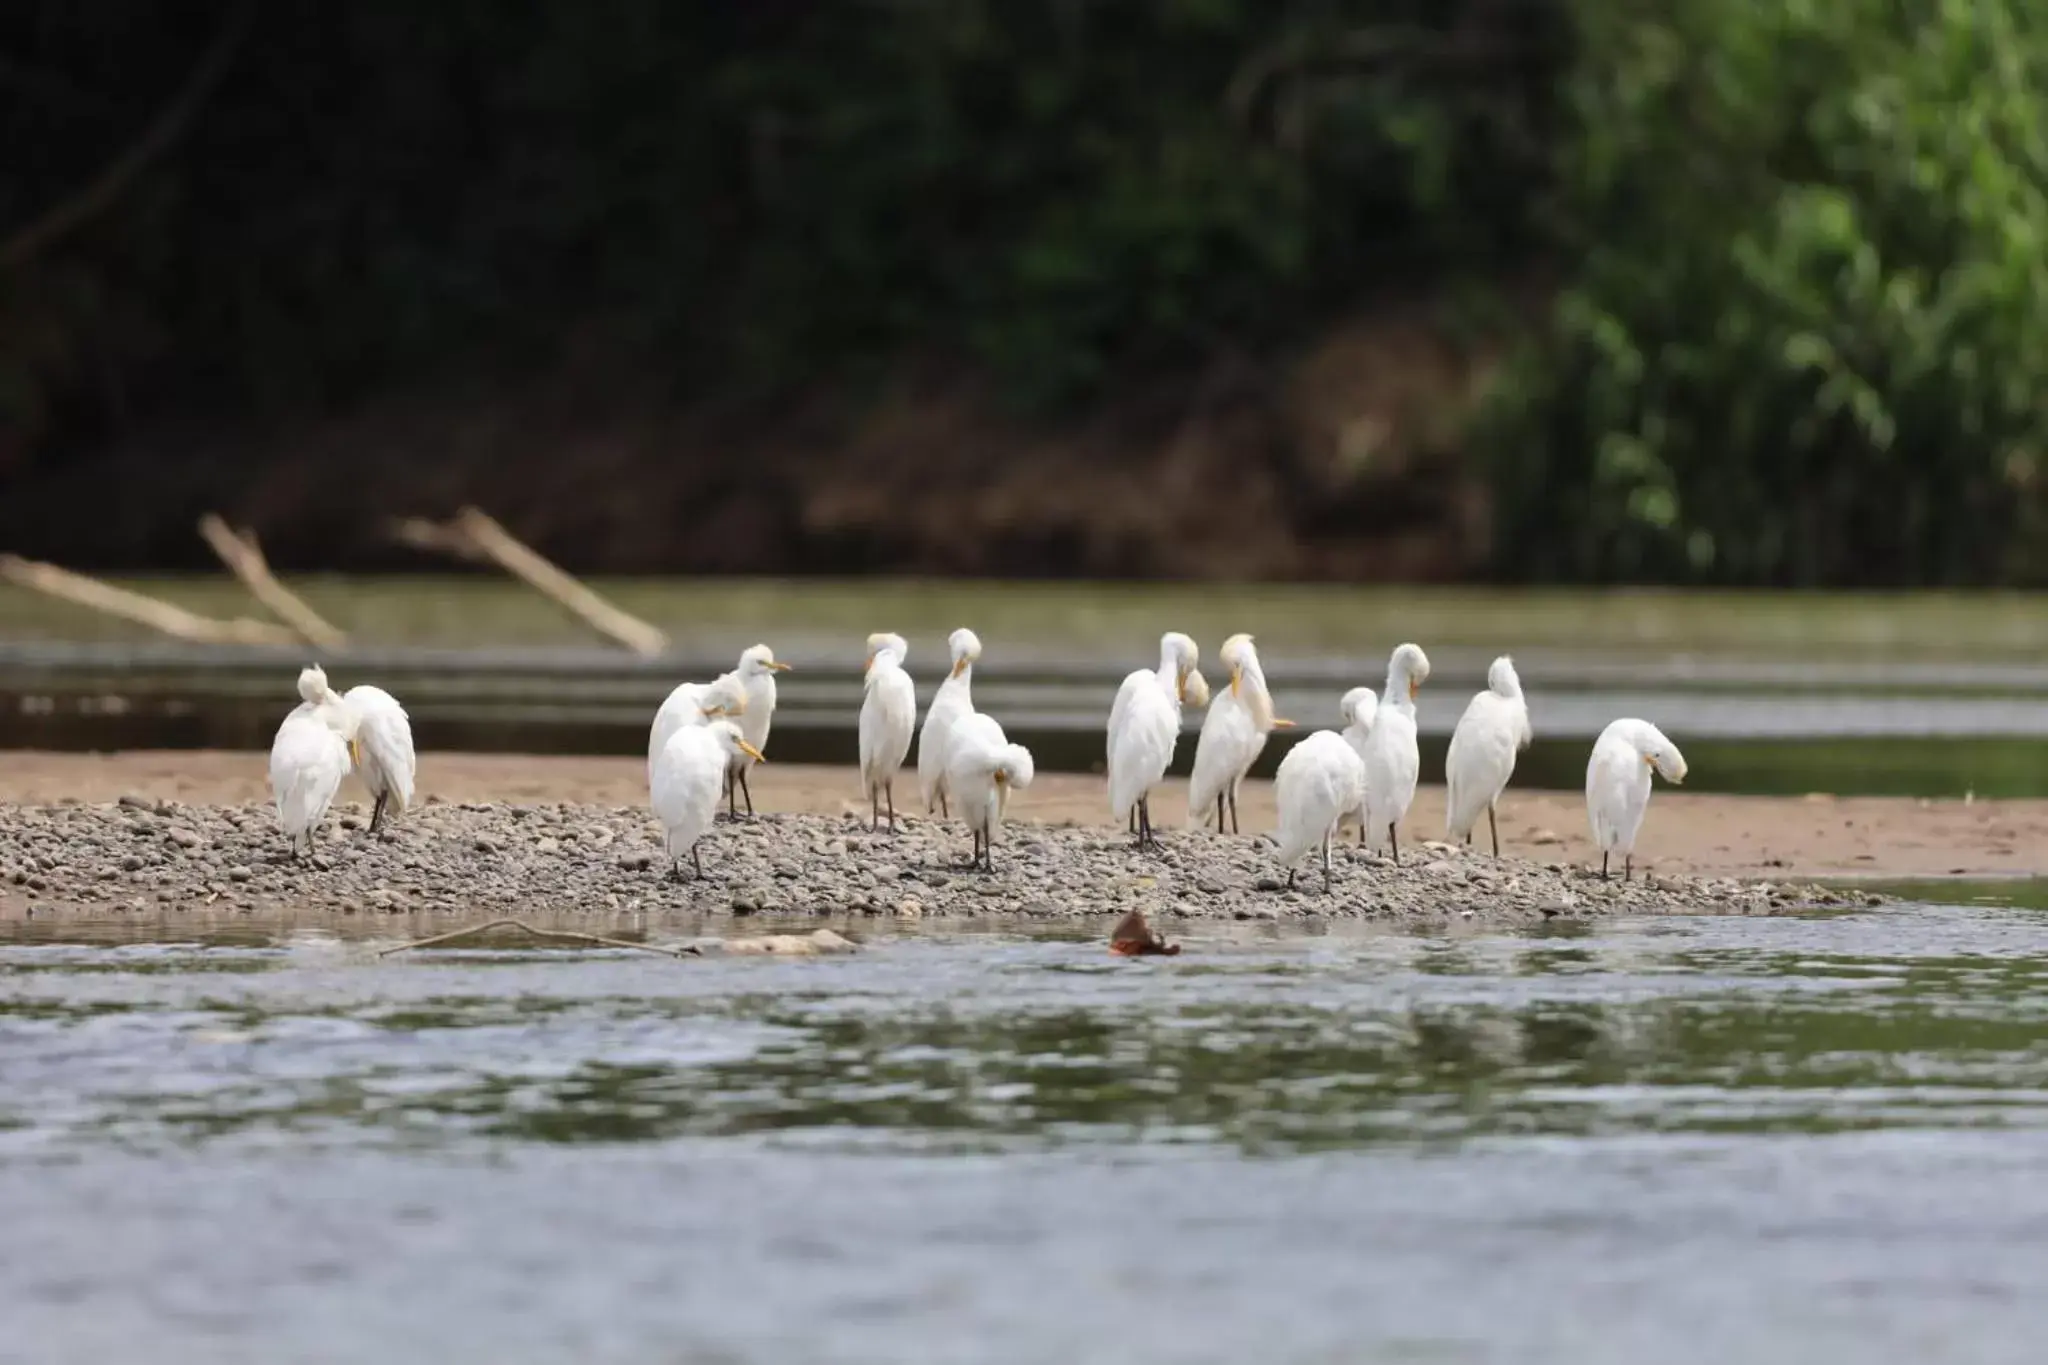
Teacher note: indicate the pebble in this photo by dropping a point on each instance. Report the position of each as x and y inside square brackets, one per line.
[445, 857]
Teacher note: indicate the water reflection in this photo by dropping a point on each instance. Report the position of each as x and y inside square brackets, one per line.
[1918, 1018]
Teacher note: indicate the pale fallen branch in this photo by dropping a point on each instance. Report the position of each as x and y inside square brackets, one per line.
[158, 615]
[566, 935]
[244, 558]
[473, 535]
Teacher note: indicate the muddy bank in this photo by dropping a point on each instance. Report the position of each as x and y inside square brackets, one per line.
[141, 855]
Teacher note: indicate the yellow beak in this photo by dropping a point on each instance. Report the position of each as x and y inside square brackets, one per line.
[711, 710]
[1279, 724]
[355, 754]
[1414, 686]
[1001, 778]
[1235, 674]
[869, 664]
[751, 752]
[778, 665]
[1180, 684]
[960, 665]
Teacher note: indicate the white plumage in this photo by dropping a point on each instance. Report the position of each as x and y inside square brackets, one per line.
[694, 704]
[955, 699]
[684, 790]
[1233, 735]
[756, 673]
[1144, 725]
[1393, 762]
[1494, 728]
[982, 769]
[1320, 780]
[888, 717]
[1357, 709]
[386, 761]
[1618, 785]
[312, 753]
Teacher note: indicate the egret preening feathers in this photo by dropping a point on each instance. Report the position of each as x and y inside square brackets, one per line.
[384, 753]
[982, 769]
[1320, 781]
[724, 697]
[1144, 724]
[1393, 763]
[955, 699]
[314, 749]
[1618, 785]
[687, 774]
[1233, 734]
[888, 718]
[756, 673]
[1494, 728]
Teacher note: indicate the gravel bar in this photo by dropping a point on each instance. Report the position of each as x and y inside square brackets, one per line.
[141, 855]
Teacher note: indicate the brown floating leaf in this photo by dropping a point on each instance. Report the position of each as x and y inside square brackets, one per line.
[1133, 937]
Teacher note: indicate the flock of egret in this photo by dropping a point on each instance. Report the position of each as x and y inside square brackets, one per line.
[707, 737]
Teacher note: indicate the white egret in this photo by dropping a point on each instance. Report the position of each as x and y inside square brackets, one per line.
[1618, 785]
[1494, 728]
[313, 751]
[1144, 725]
[384, 754]
[982, 769]
[888, 717]
[1320, 780]
[955, 699]
[1392, 760]
[1233, 734]
[1356, 709]
[757, 670]
[725, 696]
[684, 790]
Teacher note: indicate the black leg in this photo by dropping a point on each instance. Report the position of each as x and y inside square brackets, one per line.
[1628, 866]
[1134, 819]
[1326, 860]
[1233, 810]
[1394, 838]
[1361, 828]
[1603, 867]
[890, 788]
[942, 804]
[1494, 827]
[697, 860]
[1219, 812]
[747, 789]
[377, 812]
[1290, 877]
[874, 808]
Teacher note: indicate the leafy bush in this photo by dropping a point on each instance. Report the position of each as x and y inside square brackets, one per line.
[1801, 337]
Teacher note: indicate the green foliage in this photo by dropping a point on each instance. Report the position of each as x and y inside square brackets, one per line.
[1800, 338]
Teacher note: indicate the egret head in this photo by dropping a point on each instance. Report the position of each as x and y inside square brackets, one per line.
[732, 741]
[725, 695]
[758, 662]
[1014, 768]
[885, 643]
[313, 684]
[965, 646]
[1502, 680]
[1659, 753]
[1237, 655]
[1181, 653]
[1408, 671]
[1358, 707]
[1194, 689]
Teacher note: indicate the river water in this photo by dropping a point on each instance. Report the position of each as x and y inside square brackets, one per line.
[1672, 1140]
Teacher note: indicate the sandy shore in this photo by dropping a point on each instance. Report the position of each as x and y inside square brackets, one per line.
[1687, 833]
[150, 832]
